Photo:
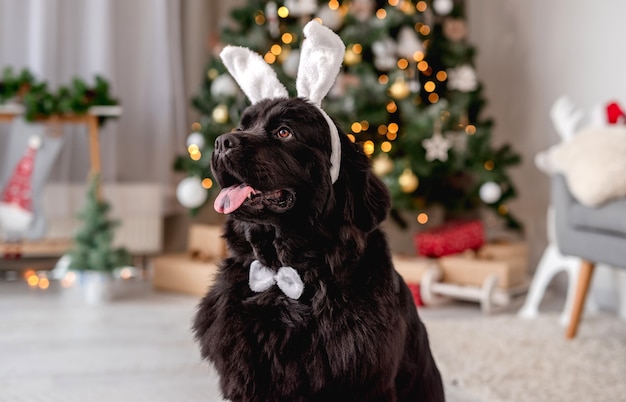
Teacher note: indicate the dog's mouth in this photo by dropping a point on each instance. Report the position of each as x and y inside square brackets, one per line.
[232, 198]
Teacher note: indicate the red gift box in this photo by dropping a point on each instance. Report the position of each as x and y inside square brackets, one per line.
[415, 291]
[450, 238]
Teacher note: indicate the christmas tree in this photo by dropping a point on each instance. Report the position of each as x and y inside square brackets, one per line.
[93, 248]
[408, 91]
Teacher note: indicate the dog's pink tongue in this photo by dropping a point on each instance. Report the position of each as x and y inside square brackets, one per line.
[231, 198]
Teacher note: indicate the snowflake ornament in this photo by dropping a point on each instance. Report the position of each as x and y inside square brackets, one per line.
[437, 147]
[462, 78]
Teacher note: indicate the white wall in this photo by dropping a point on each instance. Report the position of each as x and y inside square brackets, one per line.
[530, 52]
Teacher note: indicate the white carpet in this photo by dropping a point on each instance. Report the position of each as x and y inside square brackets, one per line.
[54, 348]
[503, 358]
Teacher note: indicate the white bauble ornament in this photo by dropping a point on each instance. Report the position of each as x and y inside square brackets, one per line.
[196, 139]
[333, 19]
[443, 7]
[290, 66]
[190, 192]
[490, 192]
[224, 85]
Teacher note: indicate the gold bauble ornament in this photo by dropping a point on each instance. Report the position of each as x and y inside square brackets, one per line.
[351, 58]
[408, 181]
[399, 89]
[212, 74]
[220, 114]
[382, 165]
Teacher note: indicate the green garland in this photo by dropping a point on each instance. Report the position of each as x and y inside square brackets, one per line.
[39, 101]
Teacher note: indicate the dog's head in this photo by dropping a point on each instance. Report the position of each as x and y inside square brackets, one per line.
[275, 168]
[288, 163]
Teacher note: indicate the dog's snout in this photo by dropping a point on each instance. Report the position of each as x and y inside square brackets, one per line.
[226, 142]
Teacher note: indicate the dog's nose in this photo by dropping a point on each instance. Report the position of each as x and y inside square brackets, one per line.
[225, 142]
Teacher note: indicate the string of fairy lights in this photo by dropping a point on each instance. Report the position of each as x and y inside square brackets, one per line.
[399, 89]
[410, 78]
[42, 280]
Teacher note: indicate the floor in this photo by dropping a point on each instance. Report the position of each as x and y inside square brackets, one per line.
[139, 347]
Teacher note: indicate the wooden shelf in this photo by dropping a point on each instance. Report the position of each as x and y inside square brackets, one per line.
[39, 248]
[11, 110]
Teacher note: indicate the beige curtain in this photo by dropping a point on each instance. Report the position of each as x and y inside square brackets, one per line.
[138, 45]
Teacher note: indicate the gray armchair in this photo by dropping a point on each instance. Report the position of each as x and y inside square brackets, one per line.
[596, 235]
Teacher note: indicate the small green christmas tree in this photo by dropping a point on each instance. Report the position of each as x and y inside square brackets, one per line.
[93, 241]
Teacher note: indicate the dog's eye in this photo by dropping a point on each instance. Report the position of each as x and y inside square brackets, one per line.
[283, 132]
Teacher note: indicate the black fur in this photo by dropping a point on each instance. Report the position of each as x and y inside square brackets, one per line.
[354, 334]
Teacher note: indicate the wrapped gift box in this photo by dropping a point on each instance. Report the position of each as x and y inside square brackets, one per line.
[205, 242]
[509, 261]
[502, 250]
[450, 238]
[411, 268]
[192, 272]
[180, 273]
[417, 297]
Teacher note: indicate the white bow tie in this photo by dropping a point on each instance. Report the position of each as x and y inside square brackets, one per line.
[287, 279]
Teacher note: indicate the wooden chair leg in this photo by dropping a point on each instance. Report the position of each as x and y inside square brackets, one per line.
[582, 286]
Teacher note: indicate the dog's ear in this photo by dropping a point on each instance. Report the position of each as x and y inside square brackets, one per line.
[367, 200]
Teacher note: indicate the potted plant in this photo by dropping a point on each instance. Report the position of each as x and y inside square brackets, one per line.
[93, 256]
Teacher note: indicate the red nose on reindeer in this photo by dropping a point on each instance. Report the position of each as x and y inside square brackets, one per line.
[614, 112]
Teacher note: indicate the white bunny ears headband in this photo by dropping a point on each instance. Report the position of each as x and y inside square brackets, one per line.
[320, 60]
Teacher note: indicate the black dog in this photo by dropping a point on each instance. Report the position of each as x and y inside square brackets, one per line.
[353, 334]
